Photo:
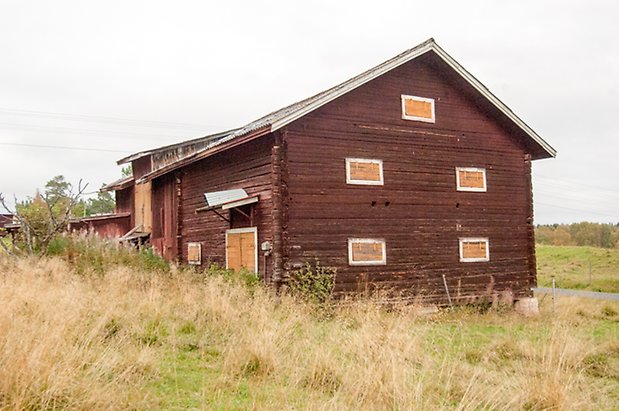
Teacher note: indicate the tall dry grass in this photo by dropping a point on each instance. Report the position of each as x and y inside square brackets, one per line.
[133, 339]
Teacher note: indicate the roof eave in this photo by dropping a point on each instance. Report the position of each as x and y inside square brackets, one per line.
[133, 157]
[118, 184]
[141, 154]
[494, 100]
[413, 53]
[221, 145]
[428, 45]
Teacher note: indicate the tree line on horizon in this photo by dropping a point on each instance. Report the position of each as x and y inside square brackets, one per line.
[578, 234]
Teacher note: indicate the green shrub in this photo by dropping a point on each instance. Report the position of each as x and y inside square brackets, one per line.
[313, 282]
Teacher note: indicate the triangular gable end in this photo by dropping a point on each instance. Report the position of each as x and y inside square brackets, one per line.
[425, 47]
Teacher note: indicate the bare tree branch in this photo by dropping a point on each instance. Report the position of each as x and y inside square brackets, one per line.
[9, 252]
[56, 223]
[26, 228]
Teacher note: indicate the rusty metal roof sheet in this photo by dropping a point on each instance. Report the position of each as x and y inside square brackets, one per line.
[199, 142]
[119, 184]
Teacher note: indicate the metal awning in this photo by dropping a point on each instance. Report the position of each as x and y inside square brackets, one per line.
[226, 200]
[217, 198]
[241, 202]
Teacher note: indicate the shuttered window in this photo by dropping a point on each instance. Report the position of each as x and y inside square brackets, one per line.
[366, 251]
[194, 253]
[418, 108]
[364, 171]
[471, 179]
[474, 249]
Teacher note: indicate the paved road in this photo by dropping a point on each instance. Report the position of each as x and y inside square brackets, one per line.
[578, 293]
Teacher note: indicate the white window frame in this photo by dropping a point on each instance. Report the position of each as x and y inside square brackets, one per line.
[350, 180]
[245, 230]
[417, 118]
[474, 240]
[370, 241]
[471, 169]
[193, 244]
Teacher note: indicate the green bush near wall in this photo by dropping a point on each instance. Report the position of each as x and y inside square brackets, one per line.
[313, 282]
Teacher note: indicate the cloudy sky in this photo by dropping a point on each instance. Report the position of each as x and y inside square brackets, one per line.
[83, 83]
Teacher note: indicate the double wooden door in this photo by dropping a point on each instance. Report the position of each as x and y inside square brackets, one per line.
[241, 249]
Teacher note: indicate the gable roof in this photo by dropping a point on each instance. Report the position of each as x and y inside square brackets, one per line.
[119, 184]
[284, 116]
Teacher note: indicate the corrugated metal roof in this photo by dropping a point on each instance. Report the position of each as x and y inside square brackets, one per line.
[217, 198]
[280, 118]
[196, 141]
[336, 91]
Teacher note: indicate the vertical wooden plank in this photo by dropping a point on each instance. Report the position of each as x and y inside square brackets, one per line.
[530, 227]
[233, 251]
[241, 250]
[248, 251]
[276, 183]
[179, 217]
[143, 206]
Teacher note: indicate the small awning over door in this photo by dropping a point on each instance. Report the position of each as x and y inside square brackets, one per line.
[227, 199]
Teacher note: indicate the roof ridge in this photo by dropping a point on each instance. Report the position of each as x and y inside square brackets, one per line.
[287, 114]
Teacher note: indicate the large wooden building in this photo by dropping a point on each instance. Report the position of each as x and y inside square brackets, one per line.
[407, 172]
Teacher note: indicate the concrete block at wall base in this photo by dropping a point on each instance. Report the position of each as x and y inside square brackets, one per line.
[527, 306]
[425, 310]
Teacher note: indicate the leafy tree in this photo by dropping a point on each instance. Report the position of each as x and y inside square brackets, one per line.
[581, 234]
[44, 216]
[127, 171]
[103, 204]
[553, 235]
[606, 236]
[57, 189]
[615, 237]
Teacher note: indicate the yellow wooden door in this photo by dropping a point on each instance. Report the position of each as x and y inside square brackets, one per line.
[241, 250]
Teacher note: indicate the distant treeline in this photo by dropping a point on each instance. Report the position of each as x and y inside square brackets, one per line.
[591, 234]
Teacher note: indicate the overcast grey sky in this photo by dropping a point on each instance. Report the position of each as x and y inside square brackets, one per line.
[118, 77]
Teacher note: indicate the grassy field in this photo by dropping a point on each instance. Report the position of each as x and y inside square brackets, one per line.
[570, 265]
[135, 335]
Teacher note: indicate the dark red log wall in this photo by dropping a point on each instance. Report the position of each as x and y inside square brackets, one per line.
[418, 210]
[247, 166]
[112, 227]
[165, 212]
[125, 203]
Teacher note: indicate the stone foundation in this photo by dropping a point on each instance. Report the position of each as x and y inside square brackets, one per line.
[527, 306]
